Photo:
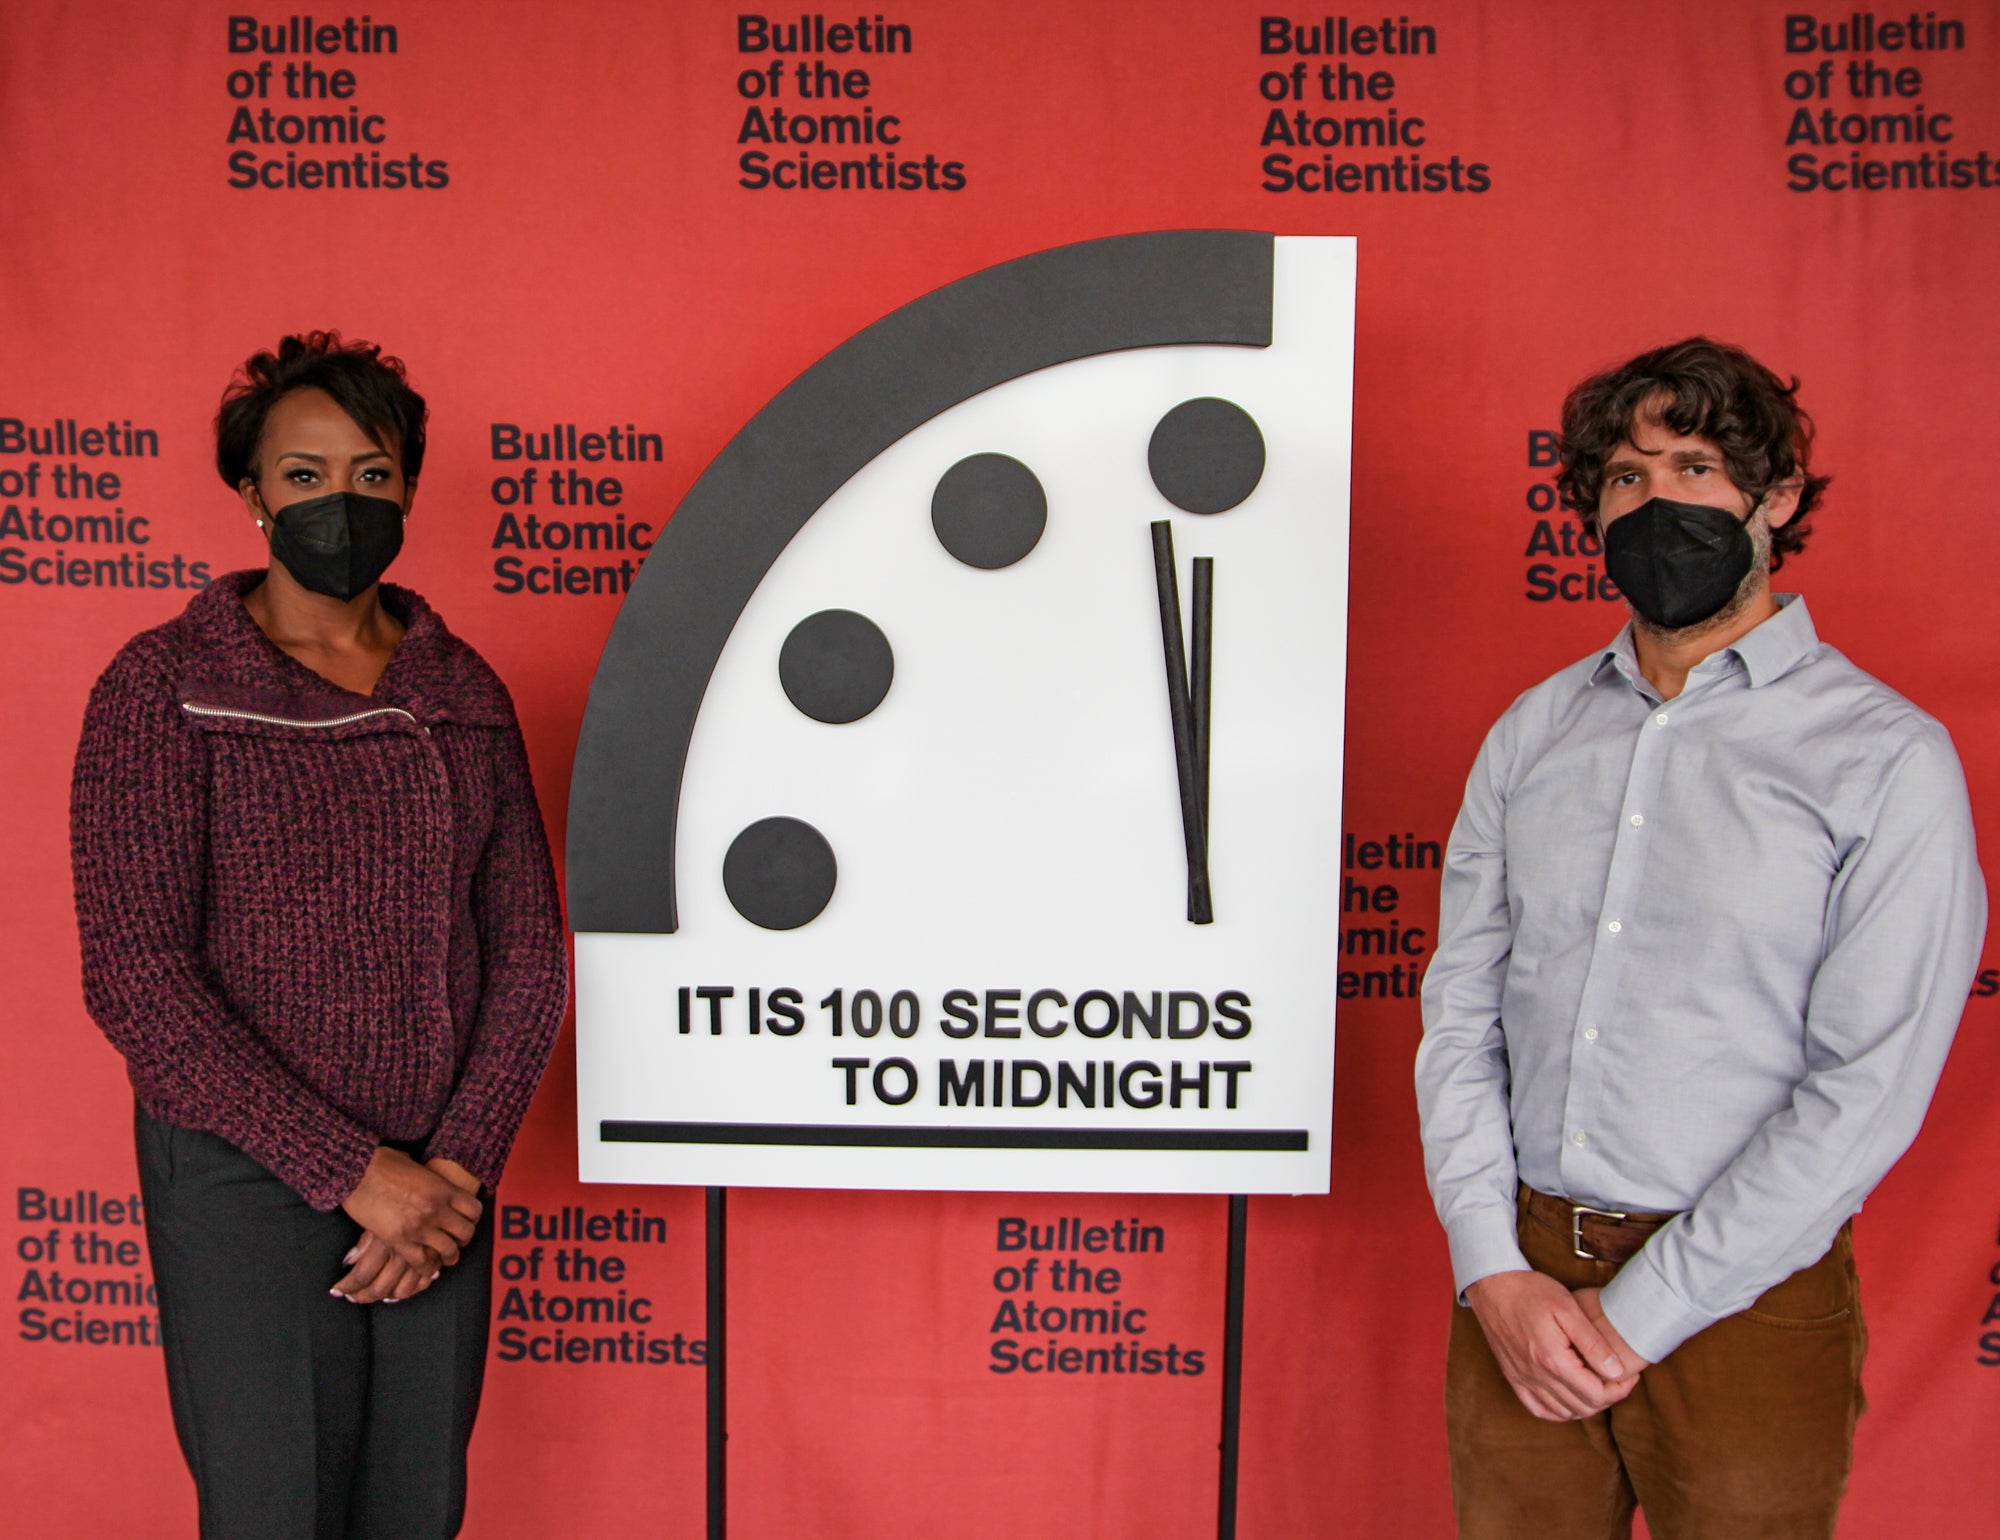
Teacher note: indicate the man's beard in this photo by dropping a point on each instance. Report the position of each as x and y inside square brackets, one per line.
[1755, 581]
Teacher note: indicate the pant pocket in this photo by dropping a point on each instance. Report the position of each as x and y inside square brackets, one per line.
[1820, 1295]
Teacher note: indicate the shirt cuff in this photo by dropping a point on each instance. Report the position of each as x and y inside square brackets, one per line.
[1483, 1244]
[1648, 1314]
[474, 1160]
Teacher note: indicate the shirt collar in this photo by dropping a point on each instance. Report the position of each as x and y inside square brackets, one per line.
[1768, 651]
[1780, 644]
[1620, 657]
[431, 673]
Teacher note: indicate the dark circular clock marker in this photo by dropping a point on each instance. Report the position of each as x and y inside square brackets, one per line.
[989, 510]
[1207, 455]
[836, 666]
[779, 873]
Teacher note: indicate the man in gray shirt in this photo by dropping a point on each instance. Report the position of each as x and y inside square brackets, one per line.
[1708, 918]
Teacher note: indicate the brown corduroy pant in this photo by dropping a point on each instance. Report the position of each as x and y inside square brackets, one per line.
[1745, 1430]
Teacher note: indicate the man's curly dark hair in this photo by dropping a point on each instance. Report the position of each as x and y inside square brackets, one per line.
[1704, 389]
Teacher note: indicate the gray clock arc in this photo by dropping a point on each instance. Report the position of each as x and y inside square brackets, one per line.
[1158, 289]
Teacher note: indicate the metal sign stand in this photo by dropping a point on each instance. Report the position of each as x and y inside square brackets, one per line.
[718, 1435]
[1232, 1365]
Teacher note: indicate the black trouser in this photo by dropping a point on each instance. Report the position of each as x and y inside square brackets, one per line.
[304, 1417]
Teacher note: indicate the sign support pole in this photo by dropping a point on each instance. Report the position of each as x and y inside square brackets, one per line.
[718, 1435]
[1232, 1365]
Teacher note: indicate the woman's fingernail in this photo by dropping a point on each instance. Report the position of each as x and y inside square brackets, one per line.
[336, 1294]
[348, 1260]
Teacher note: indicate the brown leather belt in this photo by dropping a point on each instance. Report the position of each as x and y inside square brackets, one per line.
[1602, 1235]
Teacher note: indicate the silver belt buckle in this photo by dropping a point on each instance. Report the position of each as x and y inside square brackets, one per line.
[1576, 1213]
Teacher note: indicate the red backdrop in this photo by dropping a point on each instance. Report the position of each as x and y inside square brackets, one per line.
[1602, 176]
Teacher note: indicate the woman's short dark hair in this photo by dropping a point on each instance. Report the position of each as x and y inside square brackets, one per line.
[371, 387]
[1701, 389]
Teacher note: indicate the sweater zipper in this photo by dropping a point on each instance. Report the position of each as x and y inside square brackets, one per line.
[276, 721]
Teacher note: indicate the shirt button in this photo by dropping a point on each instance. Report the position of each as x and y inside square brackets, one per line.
[1637, 819]
[1590, 1034]
[1614, 927]
[1660, 720]
[1579, 1138]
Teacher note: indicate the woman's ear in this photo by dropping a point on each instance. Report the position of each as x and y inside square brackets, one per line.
[253, 503]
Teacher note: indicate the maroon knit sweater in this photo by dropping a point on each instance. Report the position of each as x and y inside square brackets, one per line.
[312, 920]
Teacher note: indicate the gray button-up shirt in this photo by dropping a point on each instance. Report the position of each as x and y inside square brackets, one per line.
[1700, 956]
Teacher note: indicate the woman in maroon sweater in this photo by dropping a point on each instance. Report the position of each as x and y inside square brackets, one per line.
[319, 920]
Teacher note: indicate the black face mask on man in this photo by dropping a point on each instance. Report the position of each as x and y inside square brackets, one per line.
[337, 544]
[1678, 563]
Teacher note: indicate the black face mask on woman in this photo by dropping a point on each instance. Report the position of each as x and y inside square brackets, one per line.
[1678, 563]
[337, 544]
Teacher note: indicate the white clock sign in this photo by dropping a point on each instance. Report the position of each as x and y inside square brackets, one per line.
[958, 801]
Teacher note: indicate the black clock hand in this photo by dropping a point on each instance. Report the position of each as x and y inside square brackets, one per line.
[1189, 760]
[1201, 682]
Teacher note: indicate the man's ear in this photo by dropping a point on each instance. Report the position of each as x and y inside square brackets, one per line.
[1782, 501]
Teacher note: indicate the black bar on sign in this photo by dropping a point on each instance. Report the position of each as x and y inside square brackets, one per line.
[718, 1321]
[1261, 1140]
[1232, 1365]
